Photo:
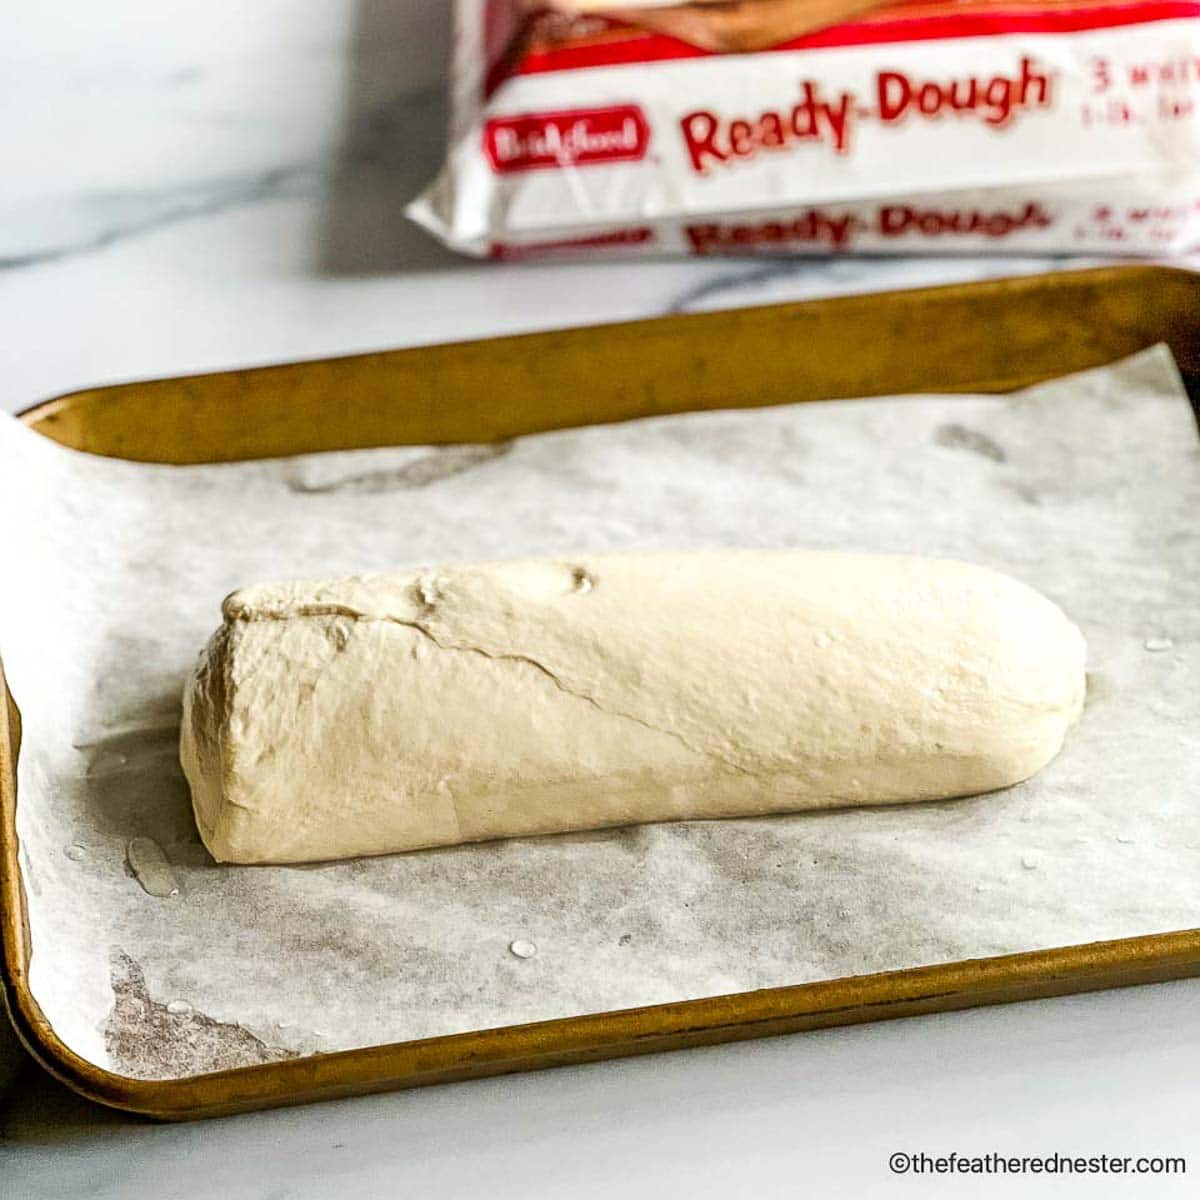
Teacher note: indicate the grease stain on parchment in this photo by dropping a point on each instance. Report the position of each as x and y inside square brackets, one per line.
[962, 437]
[438, 463]
[147, 1039]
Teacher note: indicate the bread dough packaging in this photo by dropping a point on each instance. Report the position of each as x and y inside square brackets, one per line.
[432, 707]
[581, 129]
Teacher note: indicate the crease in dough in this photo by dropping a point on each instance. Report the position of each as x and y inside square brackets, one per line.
[320, 610]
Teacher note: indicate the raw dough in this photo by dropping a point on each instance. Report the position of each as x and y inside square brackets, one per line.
[438, 706]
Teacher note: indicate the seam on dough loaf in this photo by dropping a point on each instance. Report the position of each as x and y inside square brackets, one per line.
[328, 609]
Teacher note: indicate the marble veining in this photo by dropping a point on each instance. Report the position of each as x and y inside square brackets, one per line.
[93, 221]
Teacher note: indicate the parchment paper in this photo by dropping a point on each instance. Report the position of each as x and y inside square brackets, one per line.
[1087, 488]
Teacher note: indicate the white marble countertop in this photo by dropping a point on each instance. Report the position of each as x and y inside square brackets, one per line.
[201, 185]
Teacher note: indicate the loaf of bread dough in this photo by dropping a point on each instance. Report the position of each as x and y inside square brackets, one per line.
[431, 707]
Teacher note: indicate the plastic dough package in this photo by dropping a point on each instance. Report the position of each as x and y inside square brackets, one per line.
[152, 960]
[817, 126]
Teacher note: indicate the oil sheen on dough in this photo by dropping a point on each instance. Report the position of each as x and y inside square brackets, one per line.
[430, 707]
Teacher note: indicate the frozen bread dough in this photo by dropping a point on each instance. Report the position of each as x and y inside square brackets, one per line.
[460, 703]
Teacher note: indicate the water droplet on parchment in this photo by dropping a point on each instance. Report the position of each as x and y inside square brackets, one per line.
[76, 853]
[150, 868]
[522, 948]
[179, 1008]
[1157, 644]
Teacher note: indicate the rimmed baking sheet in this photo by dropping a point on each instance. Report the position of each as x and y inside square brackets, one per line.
[1081, 487]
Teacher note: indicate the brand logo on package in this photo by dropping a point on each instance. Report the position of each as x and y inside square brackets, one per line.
[823, 117]
[576, 138]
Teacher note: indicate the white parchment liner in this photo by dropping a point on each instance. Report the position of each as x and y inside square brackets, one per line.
[1087, 488]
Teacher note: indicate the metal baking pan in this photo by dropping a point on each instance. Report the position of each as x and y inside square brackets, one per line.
[980, 337]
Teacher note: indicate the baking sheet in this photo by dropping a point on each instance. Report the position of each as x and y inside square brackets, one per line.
[1086, 488]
